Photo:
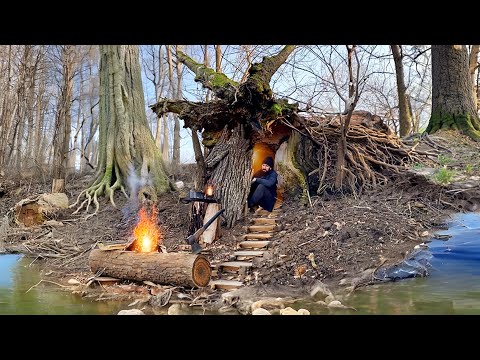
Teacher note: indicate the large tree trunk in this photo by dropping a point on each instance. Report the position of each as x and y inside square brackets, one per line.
[125, 141]
[453, 105]
[405, 119]
[181, 269]
[231, 160]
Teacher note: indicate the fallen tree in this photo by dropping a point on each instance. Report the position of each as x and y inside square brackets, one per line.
[348, 151]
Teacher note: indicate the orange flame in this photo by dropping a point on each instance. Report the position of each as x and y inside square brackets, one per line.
[147, 234]
[209, 190]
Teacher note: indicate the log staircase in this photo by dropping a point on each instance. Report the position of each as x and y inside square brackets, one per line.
[259, 233]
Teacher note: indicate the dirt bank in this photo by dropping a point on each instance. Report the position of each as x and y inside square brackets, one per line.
[332, 240]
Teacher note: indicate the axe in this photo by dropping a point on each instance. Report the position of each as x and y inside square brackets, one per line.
[192, 240]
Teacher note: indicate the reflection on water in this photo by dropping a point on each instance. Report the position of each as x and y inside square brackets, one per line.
[453, 286]
[19, 295]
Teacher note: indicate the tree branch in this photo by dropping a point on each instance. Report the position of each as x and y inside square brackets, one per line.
[209, 78]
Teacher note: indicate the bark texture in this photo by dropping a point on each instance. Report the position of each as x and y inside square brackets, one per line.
[230, 163]
[126, 143]
[453, 104]
[180, 269]
[405, 118]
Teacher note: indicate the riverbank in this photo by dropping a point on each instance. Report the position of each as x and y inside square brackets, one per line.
[326, 247]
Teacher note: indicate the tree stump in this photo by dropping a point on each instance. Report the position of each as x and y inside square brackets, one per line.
[181, 269]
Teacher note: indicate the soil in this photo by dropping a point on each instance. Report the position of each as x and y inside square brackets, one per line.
[335, 241]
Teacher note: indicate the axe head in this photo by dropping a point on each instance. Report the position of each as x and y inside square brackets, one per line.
[196, 248]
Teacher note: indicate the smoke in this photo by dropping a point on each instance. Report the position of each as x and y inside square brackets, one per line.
[134, 184]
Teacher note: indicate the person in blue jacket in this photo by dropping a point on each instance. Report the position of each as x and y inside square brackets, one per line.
[263, 189]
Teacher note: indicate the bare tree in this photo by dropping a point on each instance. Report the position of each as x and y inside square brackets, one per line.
[176, 126]
[63, 120]
[350, 103]
[405, 114]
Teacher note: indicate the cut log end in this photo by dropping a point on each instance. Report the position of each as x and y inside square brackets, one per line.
[201, 271]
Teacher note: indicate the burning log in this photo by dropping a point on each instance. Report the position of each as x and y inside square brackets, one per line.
[181, 269]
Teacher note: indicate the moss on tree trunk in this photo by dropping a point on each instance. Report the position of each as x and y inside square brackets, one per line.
[126, 143]
[453, 105]
[465, 123]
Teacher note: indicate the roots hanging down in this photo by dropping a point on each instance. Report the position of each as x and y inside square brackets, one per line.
[373, 154]
[101, 186]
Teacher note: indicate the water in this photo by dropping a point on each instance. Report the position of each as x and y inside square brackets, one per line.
[453, 286]
[20, 296]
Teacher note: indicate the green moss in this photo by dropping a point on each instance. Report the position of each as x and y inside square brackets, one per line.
[218, 80]
[108, 173]
[208, 139]
[276, 109]
[460, 122]
[293, 181]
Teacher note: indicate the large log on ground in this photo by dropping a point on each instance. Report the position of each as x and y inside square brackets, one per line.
[181, 269]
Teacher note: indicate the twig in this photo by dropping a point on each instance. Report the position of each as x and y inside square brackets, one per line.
[306, 242]
[63, 286]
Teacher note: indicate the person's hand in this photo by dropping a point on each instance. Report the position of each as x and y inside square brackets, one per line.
[253, 180]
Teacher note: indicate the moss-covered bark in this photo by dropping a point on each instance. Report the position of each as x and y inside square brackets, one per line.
[465, 123]
[453, 104]
[126, 143]
[289, 169]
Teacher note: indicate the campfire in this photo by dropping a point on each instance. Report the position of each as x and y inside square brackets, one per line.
[144, 259]
[147, 234]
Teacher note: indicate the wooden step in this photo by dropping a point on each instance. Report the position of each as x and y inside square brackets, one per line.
[257, 236]
[225, 284]
[250, 244]
[262, 212]
[247, 254]
[262, 221]
[234, 266]
[260, 228]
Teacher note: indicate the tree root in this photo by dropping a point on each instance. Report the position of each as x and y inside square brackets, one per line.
[100, 187]
[372, 155]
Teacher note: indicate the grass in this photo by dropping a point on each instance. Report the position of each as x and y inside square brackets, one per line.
[444, 176]
[469, 169]
[444, 160]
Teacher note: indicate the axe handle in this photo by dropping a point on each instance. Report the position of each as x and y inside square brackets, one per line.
[196, 235]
